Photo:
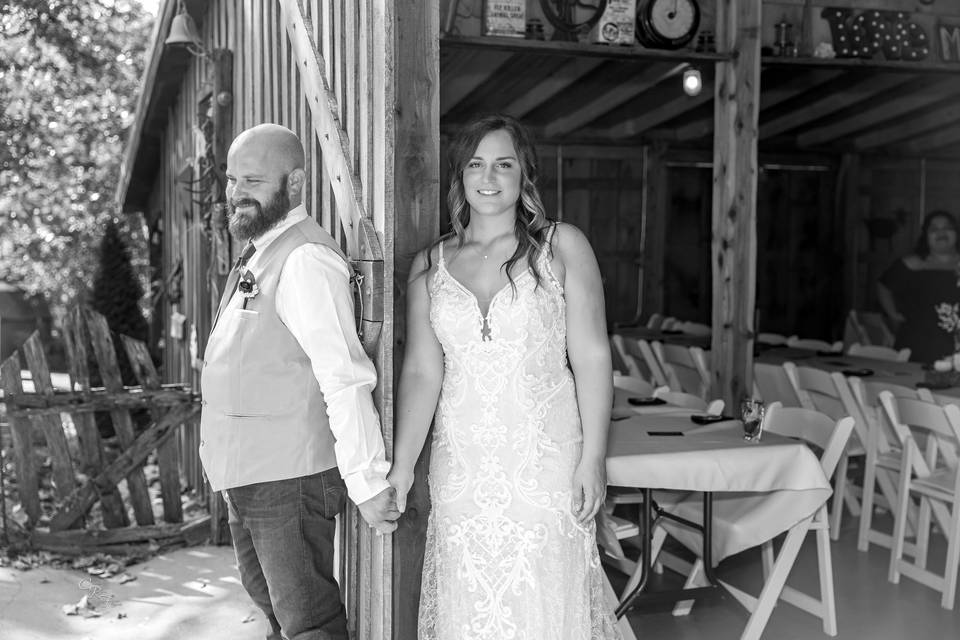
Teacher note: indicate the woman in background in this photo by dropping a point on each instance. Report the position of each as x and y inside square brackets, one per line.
[912, 287]
[507, 344]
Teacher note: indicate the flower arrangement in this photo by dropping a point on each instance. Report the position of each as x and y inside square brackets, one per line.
[948, 319]
[247, 286]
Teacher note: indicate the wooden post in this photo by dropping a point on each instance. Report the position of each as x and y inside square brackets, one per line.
[416, 183]
[734, 246]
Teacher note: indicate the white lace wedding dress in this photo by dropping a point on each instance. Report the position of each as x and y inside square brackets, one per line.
[505, 559]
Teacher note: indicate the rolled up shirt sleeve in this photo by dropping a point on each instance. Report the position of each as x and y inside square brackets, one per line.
[315, 301]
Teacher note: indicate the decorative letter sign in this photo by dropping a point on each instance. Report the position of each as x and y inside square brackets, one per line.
[949, 42]
[868, 33]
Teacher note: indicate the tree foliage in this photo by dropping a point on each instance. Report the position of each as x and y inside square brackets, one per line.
[69, 78]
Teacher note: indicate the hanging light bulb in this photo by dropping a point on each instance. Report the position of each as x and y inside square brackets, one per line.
[692, 82]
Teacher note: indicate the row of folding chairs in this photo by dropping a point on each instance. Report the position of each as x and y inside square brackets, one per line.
[682, 369]
[908, 440]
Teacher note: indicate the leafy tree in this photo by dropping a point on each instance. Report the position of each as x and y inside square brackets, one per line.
[69, 79]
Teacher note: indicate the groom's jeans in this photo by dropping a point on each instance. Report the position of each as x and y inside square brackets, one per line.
[283, 533]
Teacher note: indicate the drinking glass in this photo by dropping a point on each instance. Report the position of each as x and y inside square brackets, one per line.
[751, 412]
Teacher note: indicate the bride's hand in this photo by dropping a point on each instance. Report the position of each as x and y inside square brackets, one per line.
[589, 490]
[401, 481]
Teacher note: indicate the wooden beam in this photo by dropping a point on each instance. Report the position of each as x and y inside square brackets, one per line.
[605, 102]
[475, 68]
[876, 113]
[827, 104]
[330, 132]
[735, 172]
[552, 85]
[416, 224]
[936, 139]
[664, 112]
[906, 129]
[799, 83]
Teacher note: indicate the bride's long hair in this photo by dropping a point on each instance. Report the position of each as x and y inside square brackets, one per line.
[531, 227]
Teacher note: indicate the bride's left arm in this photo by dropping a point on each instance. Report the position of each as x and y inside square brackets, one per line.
[588, 350]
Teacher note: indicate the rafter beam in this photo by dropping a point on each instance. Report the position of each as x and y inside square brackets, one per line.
[552, 85]
[609, 100]
[666, 111]
[471, 72]
[875, 114]
[900, 130]
[859, 92]
[934, 140]
[768, 98]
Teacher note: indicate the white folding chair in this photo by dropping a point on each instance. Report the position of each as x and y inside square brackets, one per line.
[689, 401]
[829, 393]
[633, 384]
[654, 321]
[818, 429]
[878, 352]
[928, 476]
[619, 352]
[815, 344]
[776, 339]
[884, 449]
[694, 328]
[685, 367]
[771, 384]
[647, 363]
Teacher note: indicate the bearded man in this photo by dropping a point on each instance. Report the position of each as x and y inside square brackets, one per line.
[288, 427]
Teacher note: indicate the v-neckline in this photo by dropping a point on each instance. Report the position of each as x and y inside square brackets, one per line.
[484, 315]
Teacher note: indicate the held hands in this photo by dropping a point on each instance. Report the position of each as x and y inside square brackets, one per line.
[589, 490]
[401, 481]
[380, 511]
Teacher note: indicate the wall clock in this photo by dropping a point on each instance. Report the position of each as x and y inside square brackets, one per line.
[667, 24]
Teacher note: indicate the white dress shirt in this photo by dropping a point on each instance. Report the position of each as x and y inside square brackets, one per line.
[315, 301]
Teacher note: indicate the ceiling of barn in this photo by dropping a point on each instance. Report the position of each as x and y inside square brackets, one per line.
[596, 94]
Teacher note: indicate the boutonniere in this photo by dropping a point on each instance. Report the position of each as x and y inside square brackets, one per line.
[247, 286]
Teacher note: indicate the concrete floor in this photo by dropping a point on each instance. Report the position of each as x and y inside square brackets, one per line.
[187, 594]
[868, 606]
[195, 594]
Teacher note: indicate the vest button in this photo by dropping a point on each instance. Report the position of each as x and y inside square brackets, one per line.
[202, 443]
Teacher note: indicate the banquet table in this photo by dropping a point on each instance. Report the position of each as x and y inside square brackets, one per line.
[767, 487]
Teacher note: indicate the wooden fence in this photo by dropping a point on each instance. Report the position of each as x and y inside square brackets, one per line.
[85, 469]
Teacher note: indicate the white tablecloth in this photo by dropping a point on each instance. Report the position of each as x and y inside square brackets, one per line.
[761, 488]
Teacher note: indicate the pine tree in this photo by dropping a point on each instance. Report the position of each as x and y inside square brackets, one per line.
[116, 290]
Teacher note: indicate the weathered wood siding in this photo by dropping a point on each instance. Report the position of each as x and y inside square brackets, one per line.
[356, 43]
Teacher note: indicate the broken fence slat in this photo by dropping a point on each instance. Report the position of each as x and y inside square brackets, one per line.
[134, 456]
[168, 458]
[20, 429]
[106, 356]
[91, 446]
[64, 477]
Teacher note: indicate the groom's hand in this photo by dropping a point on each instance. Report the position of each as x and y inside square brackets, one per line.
[380, 511]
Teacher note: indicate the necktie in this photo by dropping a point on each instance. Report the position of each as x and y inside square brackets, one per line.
[234, 277]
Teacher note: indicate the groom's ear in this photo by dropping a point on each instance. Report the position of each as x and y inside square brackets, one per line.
[295, 183]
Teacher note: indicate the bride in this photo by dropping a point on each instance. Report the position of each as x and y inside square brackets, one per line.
[507, 350]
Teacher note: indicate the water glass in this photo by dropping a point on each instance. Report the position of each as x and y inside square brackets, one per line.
[751, 412]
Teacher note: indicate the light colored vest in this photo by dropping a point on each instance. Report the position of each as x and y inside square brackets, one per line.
[263, 414]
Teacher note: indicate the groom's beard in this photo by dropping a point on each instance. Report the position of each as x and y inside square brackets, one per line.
[244, 226]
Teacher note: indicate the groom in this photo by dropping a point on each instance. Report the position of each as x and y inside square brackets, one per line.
[288, 426]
